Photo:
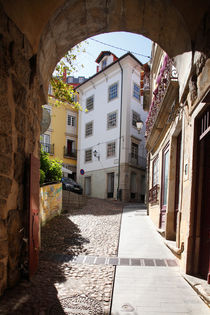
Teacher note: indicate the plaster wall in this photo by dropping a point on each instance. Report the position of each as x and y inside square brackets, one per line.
[50, 202]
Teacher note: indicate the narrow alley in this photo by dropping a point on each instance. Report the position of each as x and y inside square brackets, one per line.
[80, 261]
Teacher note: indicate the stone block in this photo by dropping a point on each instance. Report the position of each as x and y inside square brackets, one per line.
[21, 144]
[19, 167]
[14, 237]
[6, 144]
[5, 186]
[20, 121]
[3, 275]
[13, 277]
[3, 209]
[3, 230]
[5, 120]
[5, 165]
[19, 93]
[3, 249]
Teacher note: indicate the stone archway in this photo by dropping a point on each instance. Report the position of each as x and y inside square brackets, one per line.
[33, 37]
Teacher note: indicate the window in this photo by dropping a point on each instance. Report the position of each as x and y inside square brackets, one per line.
[89, 103]
[155, 171]
[71, 120]
[136, 91]
[113, 90]
[104, 62]
[111, 120]
[135, 118]
[70, 79]
[134, 150]
[81, 79]
[88, 155]
[89, 129]
[111, 149]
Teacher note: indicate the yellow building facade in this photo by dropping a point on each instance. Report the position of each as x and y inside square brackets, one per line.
[60, 139]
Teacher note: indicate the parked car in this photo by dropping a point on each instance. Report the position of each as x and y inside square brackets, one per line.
[71, 185]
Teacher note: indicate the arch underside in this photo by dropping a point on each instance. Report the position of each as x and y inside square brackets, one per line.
[75, 21]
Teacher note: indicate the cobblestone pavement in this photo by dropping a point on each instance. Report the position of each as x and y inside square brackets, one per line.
[66, 287]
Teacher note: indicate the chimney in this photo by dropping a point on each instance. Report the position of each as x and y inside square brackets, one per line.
[97, 68]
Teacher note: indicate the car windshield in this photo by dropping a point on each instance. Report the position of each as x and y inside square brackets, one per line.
[68, 181]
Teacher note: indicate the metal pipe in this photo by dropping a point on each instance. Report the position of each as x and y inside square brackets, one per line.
[121, 97]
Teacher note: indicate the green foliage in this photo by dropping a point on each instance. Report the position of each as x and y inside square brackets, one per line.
[50, 170]
[62, 91]
[42, 177]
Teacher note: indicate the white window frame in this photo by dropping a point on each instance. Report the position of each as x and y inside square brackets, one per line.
[155, 171]
[90, 155]
[135, 119]
[134, 150]
[112, 94]
[89, 129]
[92, 102]
[110, 152]
[110, 121]
[71, 120]
[136, 91]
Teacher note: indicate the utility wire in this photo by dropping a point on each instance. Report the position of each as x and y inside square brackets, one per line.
[98, 41]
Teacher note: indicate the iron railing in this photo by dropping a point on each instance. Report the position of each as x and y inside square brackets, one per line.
[166, 75]
[47, 147]
[153, 194]
[137, 160]
[69, 153]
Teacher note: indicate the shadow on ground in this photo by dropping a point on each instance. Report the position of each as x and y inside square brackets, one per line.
[39, 294]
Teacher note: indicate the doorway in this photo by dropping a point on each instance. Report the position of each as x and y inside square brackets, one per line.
[177, 179]
[88, 185]
[164, 186]
[110, 185]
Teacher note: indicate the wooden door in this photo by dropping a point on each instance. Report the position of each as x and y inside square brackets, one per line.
[164, 186]
[34, 189]
[177, 182]
[204, 257]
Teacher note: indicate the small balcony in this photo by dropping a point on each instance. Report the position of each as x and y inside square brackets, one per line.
[164, 100]
[137, 160]
[48, 148]
[69, 153]
[153, 194]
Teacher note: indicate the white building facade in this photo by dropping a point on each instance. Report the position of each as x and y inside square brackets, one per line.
[111, 151]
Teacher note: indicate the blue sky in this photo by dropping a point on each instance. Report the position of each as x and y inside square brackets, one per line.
[128, 41]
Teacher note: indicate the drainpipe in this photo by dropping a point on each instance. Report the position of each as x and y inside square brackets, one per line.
[119, 196]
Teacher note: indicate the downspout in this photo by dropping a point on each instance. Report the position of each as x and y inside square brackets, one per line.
[119, 196]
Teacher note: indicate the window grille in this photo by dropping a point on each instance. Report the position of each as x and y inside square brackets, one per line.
[112, 120]
[135, 118]
[111, 149]
[88, 155]
[71, 121]
[136, 91]
[89, 129]
[113, 90]
[89, 103]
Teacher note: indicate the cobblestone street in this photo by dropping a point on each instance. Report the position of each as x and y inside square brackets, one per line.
[91, 232]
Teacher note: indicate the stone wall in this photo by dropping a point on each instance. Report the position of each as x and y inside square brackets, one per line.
[50, 202]
[20, 113]
[72, 200]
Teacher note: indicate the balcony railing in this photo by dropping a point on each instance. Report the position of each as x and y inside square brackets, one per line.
[47, 147]
[153, 194]
[138, 160]
[166, 75]
[69, 153]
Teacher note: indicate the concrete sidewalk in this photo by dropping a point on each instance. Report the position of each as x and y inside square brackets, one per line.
[155, 287]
